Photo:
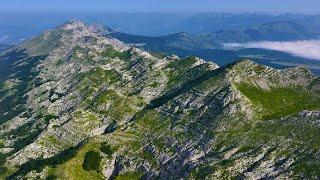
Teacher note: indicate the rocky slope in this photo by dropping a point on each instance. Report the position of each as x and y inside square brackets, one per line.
[77, 104]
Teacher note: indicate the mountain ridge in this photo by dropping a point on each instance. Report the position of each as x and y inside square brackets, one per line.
[140, 115]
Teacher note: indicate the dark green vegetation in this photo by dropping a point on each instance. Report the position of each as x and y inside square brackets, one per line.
[95, 77]
[107, 149]
[179, 70]
[110, 52]
[13, 99]
[129, 176]
[3, 169]
[92, 161]
[25, 134]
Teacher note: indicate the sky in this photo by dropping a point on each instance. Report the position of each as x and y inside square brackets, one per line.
[299, 6]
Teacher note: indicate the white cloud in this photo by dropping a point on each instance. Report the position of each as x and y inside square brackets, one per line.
[308, 48]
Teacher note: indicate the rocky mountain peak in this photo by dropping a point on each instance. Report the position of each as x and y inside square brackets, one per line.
[80, 25]
[69, 35]
[81, 29]
[73, 24]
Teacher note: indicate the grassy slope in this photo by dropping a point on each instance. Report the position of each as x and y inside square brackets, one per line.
[73, 168]
[280, 102]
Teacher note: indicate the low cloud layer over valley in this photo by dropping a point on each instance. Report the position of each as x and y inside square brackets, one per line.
[307, 48]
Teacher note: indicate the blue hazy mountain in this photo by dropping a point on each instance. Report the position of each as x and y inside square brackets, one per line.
[276, 31]
[198, 34]
[17, 26]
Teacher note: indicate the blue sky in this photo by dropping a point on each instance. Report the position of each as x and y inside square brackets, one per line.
[307, 6]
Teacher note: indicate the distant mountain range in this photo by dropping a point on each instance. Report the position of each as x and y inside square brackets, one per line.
[211, 46]
[18, 26]
[277, 31]
[202, 34]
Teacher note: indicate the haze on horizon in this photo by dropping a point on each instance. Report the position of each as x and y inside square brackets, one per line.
[21, 19]
[185, 6]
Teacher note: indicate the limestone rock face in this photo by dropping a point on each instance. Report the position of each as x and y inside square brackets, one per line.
[73, 93]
